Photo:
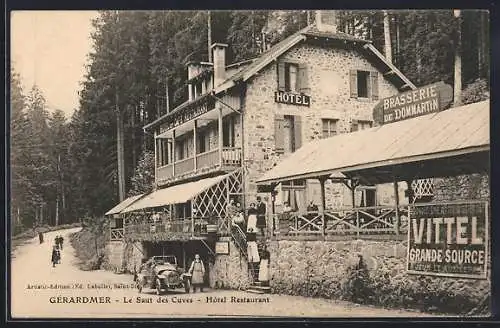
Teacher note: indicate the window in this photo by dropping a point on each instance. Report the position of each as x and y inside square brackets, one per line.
[294, 193]
[228, 134]
[364, 84]
[358, 125]
[202, 142]
[291, 73]
[329, 127]
[292, 77]
[362, 80]
[287, 133]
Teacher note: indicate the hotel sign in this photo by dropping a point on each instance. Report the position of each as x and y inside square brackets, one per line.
[425, 100]
[448, 240]
[284, 97]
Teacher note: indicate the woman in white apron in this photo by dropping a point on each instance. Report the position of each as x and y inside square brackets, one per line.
[264, 267]
[252, 219]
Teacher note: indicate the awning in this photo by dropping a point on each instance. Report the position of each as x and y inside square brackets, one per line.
[174, 195]
[118, 208]
[453, 132]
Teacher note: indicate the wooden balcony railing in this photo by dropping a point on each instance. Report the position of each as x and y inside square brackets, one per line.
[184, 165]
[231, 156]
[207, 159]
[351, 221]
[117, 234]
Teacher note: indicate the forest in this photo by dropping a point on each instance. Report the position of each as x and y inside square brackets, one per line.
[67, 168]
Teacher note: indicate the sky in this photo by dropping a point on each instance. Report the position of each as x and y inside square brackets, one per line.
[50, 48]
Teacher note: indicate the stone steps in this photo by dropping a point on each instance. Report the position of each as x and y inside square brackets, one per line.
[259, 289]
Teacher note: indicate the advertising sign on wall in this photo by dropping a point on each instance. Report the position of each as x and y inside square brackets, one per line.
[222, 247]
[292, 98]
[448, 239]
[425, 100]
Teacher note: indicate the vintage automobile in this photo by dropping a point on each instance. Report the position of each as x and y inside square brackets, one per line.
[162, 273]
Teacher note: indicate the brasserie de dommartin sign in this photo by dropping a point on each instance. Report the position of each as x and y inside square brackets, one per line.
[285, 97]
[448, 240]
[422, 101]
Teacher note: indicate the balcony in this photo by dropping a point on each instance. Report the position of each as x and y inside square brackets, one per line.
[207, 162]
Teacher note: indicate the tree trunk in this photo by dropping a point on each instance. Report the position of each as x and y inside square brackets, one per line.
[134, 150]
[457, 90]
[120, 152]
[209, 36]
[57, 211]
[387, 37]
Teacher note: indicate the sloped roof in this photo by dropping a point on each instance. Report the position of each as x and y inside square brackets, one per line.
[174, 195]
[257, 64]
[451, 132]
[310, 32]
[121, 206]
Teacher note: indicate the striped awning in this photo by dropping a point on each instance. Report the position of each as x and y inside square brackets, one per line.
[453, 132]
[174, 195]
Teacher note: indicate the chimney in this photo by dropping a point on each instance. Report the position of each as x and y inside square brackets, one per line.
[219, 58]
[193, 69]
[326, 21]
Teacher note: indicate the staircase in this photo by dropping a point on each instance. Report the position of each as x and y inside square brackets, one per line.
[257, 286]
[239, 238]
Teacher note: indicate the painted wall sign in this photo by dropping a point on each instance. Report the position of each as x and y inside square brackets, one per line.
[425, 100]
[222, 247]
[448, 240]
[284, 97]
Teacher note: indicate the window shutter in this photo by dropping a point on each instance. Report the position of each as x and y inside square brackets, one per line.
[353, 80]
[374, 85]
[297, 131]
[303, 79]
[281, 75]
[279, 142]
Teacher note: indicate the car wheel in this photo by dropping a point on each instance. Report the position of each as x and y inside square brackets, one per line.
[158, 287]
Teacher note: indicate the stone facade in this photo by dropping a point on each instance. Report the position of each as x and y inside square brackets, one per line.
[229, 271]
[114, 255]
[328, 81]
[321, 268]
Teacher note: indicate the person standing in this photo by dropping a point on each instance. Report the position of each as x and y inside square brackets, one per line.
[261, 216]
[252, 218]
[252, 252]
[61, 240]
[40, 236]
[197, 272]
[264, 267]
[55, 256]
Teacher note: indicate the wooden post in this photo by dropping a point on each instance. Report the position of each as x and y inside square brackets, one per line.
[396, 199]
[194, 144]
[322, 181]
[173, 153]
[220, 136]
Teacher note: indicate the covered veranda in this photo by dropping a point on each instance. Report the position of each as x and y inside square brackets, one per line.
[444, 144]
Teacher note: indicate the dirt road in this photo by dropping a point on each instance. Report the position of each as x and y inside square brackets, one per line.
[41, 291]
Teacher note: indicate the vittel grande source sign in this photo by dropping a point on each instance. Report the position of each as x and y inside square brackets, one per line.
[448, 240]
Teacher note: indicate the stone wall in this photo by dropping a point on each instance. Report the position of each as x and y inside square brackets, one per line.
[114, 255]
[229, 271]
[328, 79]
[121, 255]
[321, 268]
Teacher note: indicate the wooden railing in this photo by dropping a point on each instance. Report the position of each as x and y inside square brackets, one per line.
[231, 156]
[117, 234]
[184, 165]
[207, 159]
[351, 221]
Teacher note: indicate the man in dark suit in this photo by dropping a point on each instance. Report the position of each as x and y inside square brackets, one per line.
[261, 215]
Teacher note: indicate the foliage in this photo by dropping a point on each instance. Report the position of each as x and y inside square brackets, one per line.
[476, 91]
[143, 179]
